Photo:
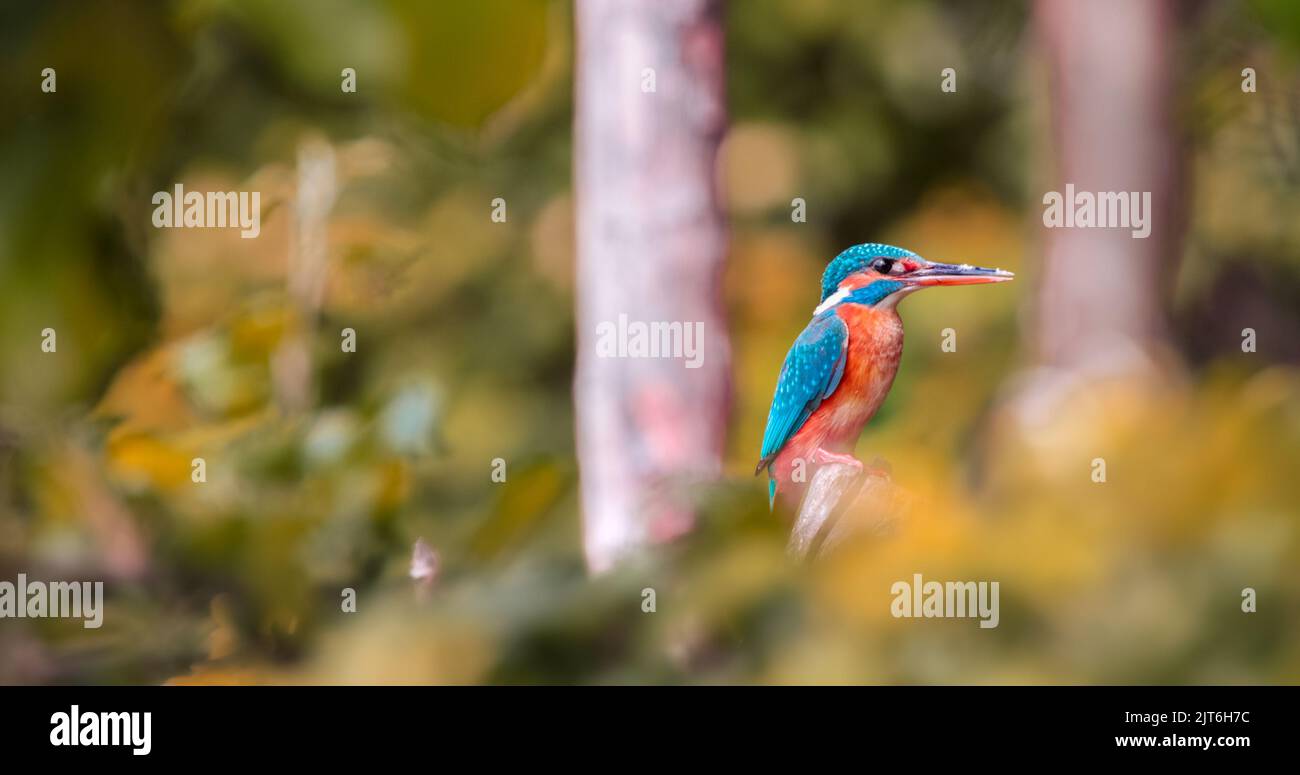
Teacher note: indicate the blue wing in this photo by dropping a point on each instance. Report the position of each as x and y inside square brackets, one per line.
[812, 371]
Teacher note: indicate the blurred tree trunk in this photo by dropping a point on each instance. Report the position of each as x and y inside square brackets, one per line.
[651, 245]
[1101, 302]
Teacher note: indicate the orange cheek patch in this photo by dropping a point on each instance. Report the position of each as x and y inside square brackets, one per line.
[860, 280]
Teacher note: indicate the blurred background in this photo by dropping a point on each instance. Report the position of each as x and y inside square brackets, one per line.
[324, 467]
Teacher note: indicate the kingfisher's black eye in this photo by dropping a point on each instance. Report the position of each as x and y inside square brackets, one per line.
[883, 265]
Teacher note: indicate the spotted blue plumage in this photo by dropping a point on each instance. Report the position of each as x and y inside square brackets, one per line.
[815, 364]
[855, 259]
[812, 371]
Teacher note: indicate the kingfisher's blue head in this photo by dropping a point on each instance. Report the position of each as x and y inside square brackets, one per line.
[874, 274]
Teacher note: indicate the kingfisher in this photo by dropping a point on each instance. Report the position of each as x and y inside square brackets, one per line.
[841, 367]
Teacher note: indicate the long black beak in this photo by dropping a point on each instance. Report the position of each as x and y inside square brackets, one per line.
[955, 274]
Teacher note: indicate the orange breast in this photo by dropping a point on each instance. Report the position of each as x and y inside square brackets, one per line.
[874, 350]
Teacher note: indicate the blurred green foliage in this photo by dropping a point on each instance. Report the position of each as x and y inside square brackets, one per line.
[175, 345]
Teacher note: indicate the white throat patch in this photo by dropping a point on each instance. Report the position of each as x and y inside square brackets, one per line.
[832, 300]
[891, 301]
